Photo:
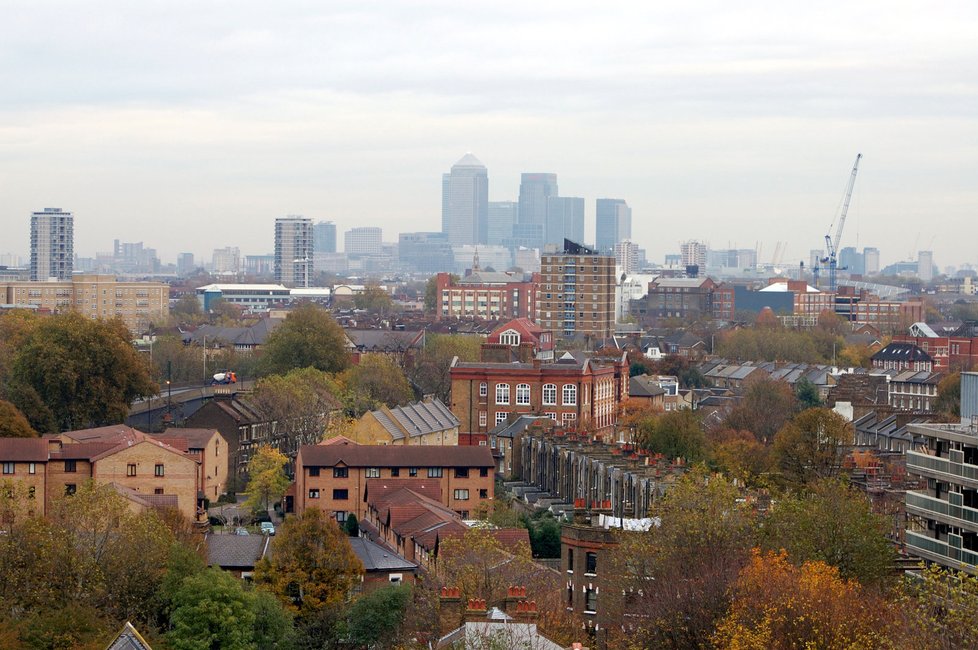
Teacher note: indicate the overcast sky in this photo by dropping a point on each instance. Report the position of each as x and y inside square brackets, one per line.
[192, 125]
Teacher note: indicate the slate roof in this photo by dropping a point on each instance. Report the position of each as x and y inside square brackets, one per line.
[236, 551]
[196, 438]
[377, 558]
[129, 639]
[510, 429]
[396, 456]
[23, 450]
[904, 352]
[384, 340]
[252, 336]
[644, 386]
[416, 419]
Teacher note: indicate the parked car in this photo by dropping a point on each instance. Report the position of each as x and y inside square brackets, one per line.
[267, 528]
[241, 531]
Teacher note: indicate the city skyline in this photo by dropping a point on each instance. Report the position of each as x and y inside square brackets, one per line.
[736, 122]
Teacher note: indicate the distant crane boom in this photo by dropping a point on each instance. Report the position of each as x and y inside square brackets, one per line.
[831, 245]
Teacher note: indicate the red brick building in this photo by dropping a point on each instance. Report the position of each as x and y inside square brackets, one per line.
[488, 295]
[958, 351]
[576, 391]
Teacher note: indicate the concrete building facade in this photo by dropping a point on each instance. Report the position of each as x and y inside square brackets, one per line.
[294, 250]
[576, 295]
[613, 223]
[465, 202]
[52, 244]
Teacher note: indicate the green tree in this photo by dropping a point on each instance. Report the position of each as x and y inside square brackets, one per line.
[811, 445]
[72, 372]
[274, 625]
[676, 434]
[212, 610]
[766, 407]
[301, 402]
[544, 537]
[13, 424]
[374, 381]
[807, 394]
[835, 524]
[431, 370]
[374, 300]
[376, 618]
[949, 396]
[351, 526]
[309, 337]
[312, 565]
[187, 309]
[267, 481]
[940, 608]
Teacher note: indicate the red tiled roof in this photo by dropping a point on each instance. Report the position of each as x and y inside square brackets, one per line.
[380, 489]
[197, 438]
[113, 433]
[395, 456]
[23, 450]
[83, 450]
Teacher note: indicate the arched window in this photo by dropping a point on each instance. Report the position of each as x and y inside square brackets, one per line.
[522, 394]
[510, 337]
[550, 394]
[502, 394]
[483, 389]
[570, 395]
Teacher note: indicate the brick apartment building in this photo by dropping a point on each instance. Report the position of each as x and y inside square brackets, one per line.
[488, 295]
[680, 298]
[957, 351]
[576, 296]
[333, 475]
[97, 296]
[576, 391]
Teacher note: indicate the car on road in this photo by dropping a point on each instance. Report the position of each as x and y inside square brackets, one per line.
[226, 377]
[241, 531]
[267, 528]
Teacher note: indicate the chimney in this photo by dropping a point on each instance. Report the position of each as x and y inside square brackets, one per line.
[580, 512]
[449, 609]
[526, 611]
[513, 597]
[476, 610]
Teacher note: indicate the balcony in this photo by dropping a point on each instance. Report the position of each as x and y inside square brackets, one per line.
[941, 552]
[942, 469]
[945, 511]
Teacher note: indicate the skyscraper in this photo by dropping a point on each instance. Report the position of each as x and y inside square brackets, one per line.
[565, 220]
[465, 202]
[577, 293]
[693, 253]
[626, 256]
[293, 251]
[535, 190]
[52, 244]
[925, 266]
[613, 223]
[502, 218]
[871, 260]
[324, 237]
[363, 241]
[852, 261]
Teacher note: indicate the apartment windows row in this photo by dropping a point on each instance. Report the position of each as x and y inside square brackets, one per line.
[11, 468]
[158, 469]
[395, 472]
[568, 394]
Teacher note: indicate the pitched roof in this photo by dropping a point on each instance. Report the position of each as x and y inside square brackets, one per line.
[377, 558]
[509, 429]
[196, 438]
[111, 433]
[128, 639]
[416, 419]
[385, 340]
[381, 490]
[396, 456]
[236, 551]
[23, 450]
[644, 386]
[906, 352]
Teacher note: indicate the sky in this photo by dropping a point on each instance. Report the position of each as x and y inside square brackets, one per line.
[190, 126]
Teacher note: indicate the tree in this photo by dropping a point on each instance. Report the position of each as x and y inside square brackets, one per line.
[544, 537]
[301, 403]
[811, 445]
[72, 372]
[767, 405]
[373, 299]
[740, 455]
[376, 618]
[779, 606]
[832, 523]
[431, 298]
[266, 478]
[13, 424]
[676, 577]
[676, 434]
[212, 610]
[949, 396]
[351, 526]
[374, 381]
[431, 370]
[807, 394]
[309, 337]
[187, 309]
[312, 565]
[274, 625]
[940, 608]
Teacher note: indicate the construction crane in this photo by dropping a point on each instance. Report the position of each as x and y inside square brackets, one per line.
[832, 245]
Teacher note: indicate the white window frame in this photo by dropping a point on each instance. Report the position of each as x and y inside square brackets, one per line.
[483, 418]
[550, 394]
[569, 395]
[501, 416]
[569, 417]
[483, 389]
[502, 394]
[461, 494]
[522, 394]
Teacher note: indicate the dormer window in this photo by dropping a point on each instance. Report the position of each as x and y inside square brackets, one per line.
[510, 337]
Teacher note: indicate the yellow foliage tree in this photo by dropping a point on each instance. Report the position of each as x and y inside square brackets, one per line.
[266, 477]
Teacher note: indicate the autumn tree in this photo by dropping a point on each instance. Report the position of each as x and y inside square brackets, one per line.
[675, 434]
[779, 606]
[376, 380]
[832, 523]
[13, 424]
[949, 396]
[939, 610]
[309, 337]
[740, 455]
[676, 577]
[267, 481]
[374, 299]
[765, 408]
[811, 446]
[187, 309]
[431, 369]
[72, 372]
[301, 403]
[312, 565]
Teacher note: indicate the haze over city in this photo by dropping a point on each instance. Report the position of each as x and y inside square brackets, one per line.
[192, 126]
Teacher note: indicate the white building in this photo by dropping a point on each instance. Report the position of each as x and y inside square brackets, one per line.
[293, 251]
[52, 244]
[363, 241]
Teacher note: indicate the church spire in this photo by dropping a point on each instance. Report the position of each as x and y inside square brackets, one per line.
[475, 261]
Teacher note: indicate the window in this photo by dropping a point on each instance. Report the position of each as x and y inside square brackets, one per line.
[502, 395]
[501, 417]
[131, 469]
[482, 443]
[550, 394]
[70, 488]
[395, 472]
[523, 394]
[313, 494]
[395, 578]
[313, 471]
[341, 495]
[483, 389]
[483, 417]
[590, 600]
[461, 495]
[483, 472]
[570, 560]
[71, 466]
[570, 395]
[510, 337]
[434, 472]
[591, 562]
[373, 472]
[31, 492]
[157, 490]
[569, 417]
[483, 493]
[31, 468]
[413, 472]
[8, 468]
[341, 516]
[341, 472]
[461, 472]
[158, 470]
